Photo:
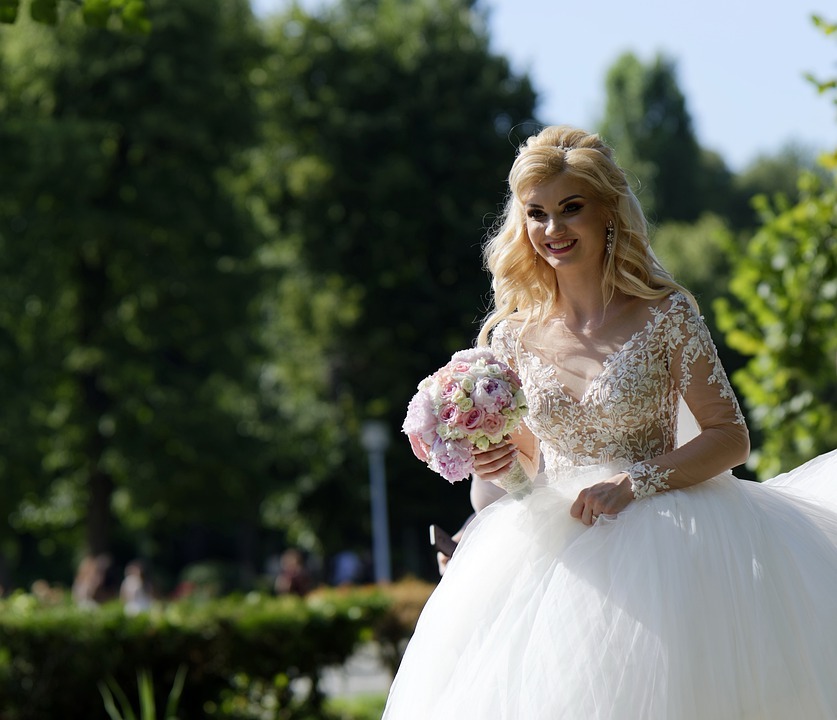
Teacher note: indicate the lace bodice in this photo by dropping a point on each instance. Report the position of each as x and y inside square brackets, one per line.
[629, 410]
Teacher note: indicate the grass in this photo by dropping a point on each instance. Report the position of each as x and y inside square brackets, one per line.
[358, 707]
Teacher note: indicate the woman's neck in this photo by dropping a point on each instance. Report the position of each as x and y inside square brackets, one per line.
[581, 304]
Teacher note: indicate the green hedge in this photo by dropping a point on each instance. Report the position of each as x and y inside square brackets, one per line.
[52, 658]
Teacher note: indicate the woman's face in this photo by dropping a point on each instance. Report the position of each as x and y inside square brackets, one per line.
[566, 224]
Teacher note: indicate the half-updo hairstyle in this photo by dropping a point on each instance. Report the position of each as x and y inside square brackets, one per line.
[521, 280]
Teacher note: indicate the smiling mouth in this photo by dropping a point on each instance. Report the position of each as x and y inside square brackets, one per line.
[557, 247]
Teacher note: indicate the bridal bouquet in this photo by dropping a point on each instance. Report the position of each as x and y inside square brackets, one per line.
[473, 401]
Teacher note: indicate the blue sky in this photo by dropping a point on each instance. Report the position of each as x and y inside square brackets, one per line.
[740, 63]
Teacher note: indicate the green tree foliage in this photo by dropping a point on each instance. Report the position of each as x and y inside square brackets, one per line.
[785, 287]
[827, 85]
[394, 127]
[771, 174]
[783, 317]
[696, 254]
[132, 15]
[647, 121]
[141, 317]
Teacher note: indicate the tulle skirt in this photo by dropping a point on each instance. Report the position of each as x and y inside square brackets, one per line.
[718, 602]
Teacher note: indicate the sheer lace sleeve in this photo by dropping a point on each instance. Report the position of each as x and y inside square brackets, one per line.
[723, 441]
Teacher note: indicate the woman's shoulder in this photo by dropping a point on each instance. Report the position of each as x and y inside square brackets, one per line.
[673, 304]
[505, 336]
[509, 326]
[677, 322]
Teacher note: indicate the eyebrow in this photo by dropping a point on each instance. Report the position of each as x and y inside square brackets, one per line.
[562, 202]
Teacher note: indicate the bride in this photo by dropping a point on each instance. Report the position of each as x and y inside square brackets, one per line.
[632, 579]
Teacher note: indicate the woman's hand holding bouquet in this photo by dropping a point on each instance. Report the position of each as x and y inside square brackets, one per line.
[471, 404]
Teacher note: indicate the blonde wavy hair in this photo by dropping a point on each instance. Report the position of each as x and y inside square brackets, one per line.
[521, 281]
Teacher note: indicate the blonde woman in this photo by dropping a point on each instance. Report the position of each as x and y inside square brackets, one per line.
[635, 578]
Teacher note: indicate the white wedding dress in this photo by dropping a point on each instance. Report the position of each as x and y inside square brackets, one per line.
[717, 601]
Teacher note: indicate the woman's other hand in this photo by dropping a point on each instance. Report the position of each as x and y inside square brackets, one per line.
[605, 498]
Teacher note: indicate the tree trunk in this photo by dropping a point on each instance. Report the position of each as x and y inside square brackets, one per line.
[92, 304]
[98, 513]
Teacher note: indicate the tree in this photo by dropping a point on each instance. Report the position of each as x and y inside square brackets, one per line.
[394, 127]
[696, 255]
[132, 15]
[770, 175]
[785, 287]
[141, 368]
[647, 121]
[828, 85]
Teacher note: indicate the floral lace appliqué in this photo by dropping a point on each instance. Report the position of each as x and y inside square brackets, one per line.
[647, 479]
[629, 410]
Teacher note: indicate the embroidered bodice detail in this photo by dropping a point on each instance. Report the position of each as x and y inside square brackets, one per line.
[629, 410]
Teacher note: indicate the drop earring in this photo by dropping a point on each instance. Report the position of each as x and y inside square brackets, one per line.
[609, 237]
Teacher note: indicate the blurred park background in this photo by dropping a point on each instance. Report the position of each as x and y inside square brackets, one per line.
[229, 240]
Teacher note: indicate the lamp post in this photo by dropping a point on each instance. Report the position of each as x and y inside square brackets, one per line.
[374, 437]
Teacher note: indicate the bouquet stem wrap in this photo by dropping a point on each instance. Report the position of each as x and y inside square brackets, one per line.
[516, 482]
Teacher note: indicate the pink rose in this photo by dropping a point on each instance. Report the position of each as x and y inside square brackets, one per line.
[459, 368]
[448, 389]
[449, 414]
[472, 419]
[493, 424]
